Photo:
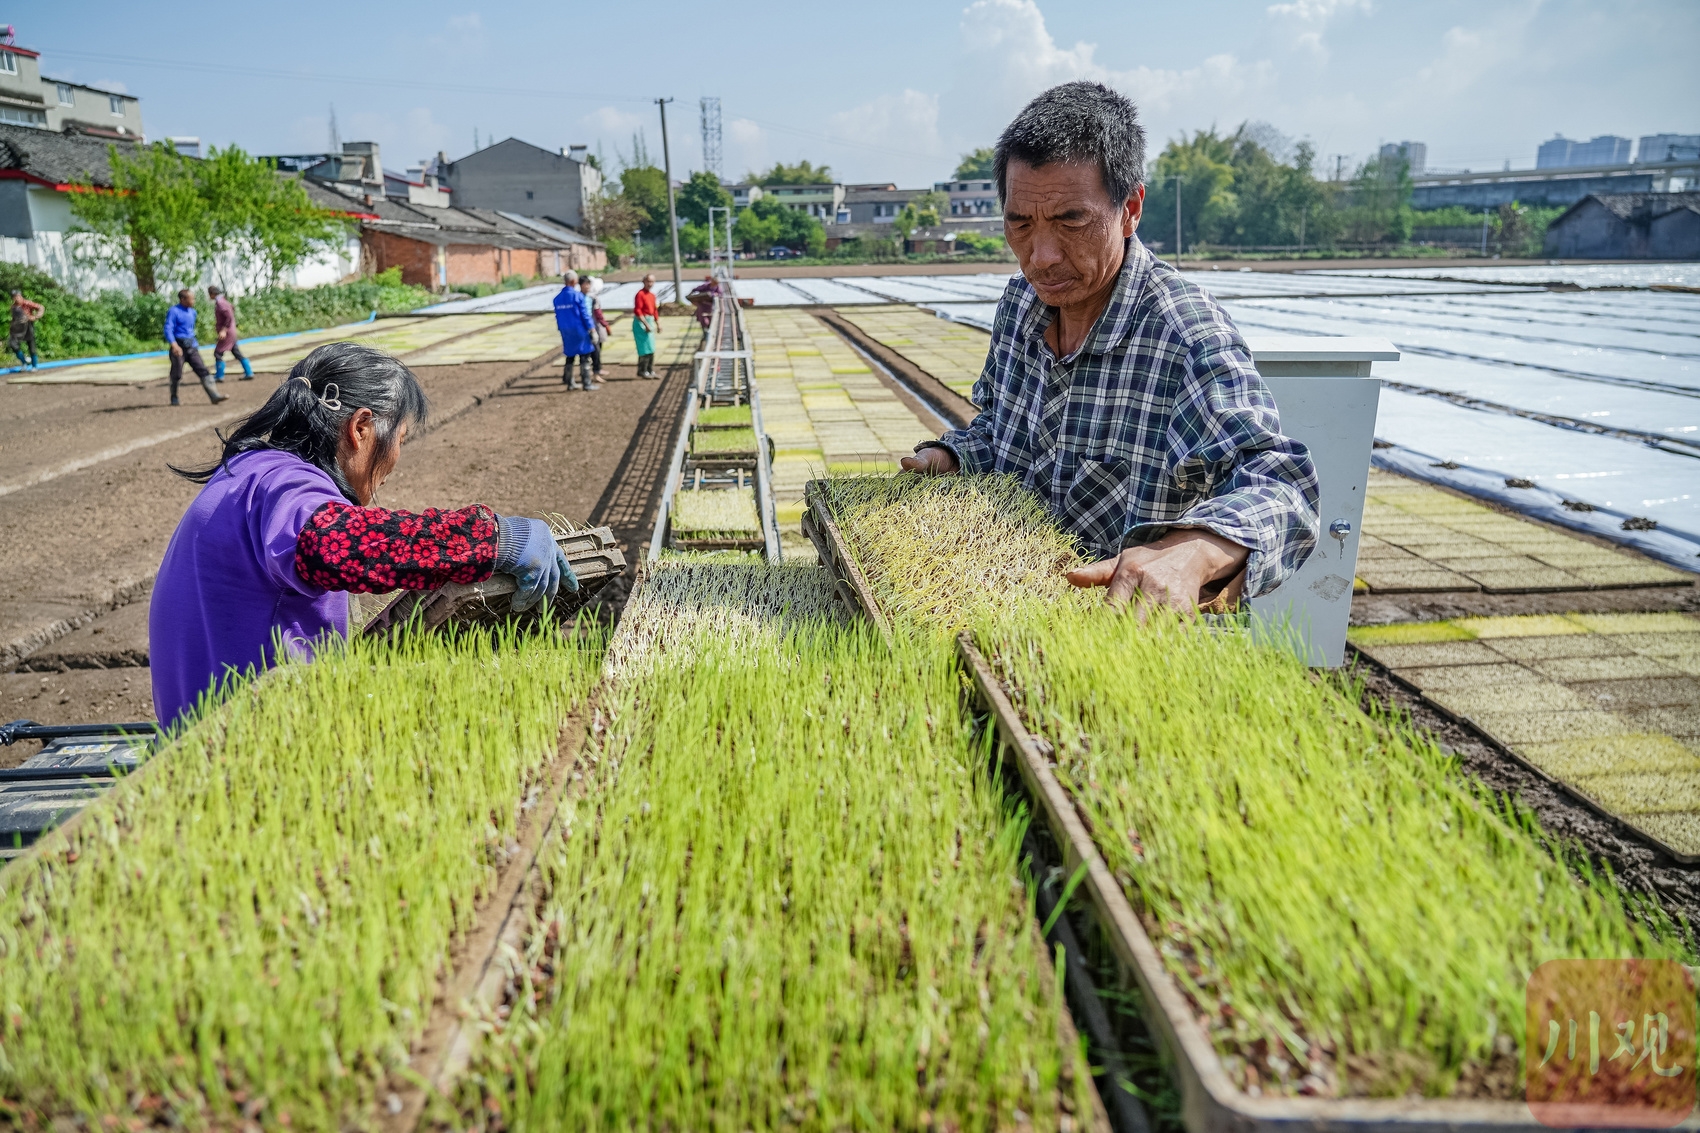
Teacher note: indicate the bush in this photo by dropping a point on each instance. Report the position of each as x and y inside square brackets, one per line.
[71, 327]
[975, 244]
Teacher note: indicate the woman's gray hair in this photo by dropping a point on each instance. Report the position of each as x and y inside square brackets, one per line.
[1077, 122]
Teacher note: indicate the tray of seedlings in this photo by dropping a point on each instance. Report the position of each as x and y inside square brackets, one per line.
[596, 560]
[1328, 925]
[253, 928]
[716, 519]
[788, 896]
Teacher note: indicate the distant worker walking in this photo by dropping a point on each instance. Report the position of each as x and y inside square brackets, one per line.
[224, 322]
[578, 340]
[646, 324]
[180, 338]
[702, 297]
[24, 314]
[599, 329]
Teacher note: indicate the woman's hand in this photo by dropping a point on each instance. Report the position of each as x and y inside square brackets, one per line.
[526, 549]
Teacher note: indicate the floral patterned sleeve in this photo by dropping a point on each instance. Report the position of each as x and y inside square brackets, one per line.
[372, 549]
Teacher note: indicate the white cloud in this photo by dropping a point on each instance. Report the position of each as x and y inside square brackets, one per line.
[1009, 55]
[907, 121]
[613, 120]
[1311, 18]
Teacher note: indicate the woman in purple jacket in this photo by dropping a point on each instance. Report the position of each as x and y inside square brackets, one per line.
[262, 562]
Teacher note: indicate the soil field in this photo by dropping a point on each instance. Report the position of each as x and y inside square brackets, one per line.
[88, 504]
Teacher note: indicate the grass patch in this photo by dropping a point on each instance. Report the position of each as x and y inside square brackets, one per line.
[723, 440]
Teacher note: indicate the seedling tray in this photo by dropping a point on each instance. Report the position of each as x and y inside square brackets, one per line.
[1211, 1102]
[595, 557]
[849, 582]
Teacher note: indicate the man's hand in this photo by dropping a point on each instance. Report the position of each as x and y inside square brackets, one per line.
[1170, 572]
[931, 461]
[176, 351]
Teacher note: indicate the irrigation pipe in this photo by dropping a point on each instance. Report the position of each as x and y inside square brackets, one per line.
[162, 353]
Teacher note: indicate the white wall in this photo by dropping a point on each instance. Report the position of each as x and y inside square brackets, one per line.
[52, 246]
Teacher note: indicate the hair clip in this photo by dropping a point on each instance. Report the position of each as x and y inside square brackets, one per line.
[332, 397]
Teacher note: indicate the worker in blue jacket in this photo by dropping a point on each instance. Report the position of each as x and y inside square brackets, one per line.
[180, 339]
[578, 331]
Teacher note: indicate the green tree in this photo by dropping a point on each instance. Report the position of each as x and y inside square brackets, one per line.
[150, 222]
[698, 195]
[767, 223]
[800, 174]
[977, 165]
[923, 211]
[1204, 163]
[693, 240]
[612, 218]
[644, 187]
[257, 218]
[1378, 204]
[169, 218]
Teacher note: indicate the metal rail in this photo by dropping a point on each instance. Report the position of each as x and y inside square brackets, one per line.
[723, 376]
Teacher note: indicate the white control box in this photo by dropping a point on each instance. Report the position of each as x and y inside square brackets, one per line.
[1327, 398]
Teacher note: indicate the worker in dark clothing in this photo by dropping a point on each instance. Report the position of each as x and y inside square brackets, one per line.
[24, 314]
[224, 322]
[702, 298]
[180, 338]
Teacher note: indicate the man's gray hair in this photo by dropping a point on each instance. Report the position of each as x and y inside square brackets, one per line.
[1077, 122]
[569, 277]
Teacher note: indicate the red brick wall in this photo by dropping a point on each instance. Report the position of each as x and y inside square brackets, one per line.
[472, 263]
[381, 251]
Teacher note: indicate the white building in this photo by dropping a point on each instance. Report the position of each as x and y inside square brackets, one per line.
[27, 99]
[970, 198]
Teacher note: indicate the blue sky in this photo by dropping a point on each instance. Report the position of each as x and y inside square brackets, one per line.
[880, 89]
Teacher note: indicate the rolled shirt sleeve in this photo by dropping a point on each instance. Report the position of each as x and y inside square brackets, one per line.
[1254, 486]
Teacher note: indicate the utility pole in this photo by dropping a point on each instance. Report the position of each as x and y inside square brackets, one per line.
[672, 214]
[1178, 180]
[1303, 216]
[1484, 231]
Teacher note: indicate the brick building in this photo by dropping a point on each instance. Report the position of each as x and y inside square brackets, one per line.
[443, 248]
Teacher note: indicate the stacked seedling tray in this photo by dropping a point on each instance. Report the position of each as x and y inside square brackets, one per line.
[1327, 925]
[593, 553]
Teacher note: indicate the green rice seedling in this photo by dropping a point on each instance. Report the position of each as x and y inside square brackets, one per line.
[723, 416]
[710, 441]
[684, 603]
[716, 513]
[947, 551]
[1348, 913]
[253, 928]
[790, 899]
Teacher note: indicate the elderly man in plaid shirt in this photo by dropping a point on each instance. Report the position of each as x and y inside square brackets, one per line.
[1117, 390]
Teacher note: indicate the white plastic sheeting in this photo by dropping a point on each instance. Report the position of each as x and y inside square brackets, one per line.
[1583, 275]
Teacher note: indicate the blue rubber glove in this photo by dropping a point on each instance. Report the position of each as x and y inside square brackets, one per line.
[526, 549]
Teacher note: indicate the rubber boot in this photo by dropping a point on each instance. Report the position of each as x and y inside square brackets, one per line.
[247, 370]
[212, 394]
[218, 369]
